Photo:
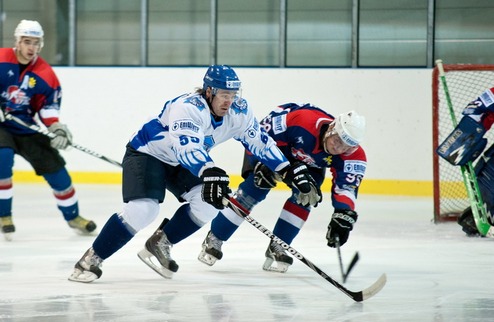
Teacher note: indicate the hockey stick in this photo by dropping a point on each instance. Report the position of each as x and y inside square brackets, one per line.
[467, 171]
[356, 296]
[51, 135]
[353, 262]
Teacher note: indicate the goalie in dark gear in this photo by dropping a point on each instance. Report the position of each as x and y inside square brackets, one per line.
[484, 169]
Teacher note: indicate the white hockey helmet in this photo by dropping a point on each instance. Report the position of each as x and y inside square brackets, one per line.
[350, 127]
[29, 28]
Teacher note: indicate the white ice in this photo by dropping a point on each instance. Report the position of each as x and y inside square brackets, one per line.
[434, 272]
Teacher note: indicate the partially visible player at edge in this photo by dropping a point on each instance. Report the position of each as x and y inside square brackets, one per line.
[306, 135]
[30, 89]
[478, 117]
[171, 152]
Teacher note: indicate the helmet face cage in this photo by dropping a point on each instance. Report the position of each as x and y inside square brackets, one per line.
[29, 28]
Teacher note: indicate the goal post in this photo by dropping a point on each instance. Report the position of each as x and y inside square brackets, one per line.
[465, 83]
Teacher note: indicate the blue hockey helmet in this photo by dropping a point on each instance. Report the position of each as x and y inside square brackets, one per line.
[221, 77]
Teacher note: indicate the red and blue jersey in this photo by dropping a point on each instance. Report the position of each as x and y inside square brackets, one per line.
[34, 91]
[298, 131]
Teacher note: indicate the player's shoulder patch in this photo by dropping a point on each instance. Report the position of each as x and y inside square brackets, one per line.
[487, 98]
[240, 106]
[196, 101]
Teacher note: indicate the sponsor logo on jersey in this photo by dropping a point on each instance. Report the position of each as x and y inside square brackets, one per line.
[355, 167]
[487, 98]
[185, 125]
[279, 124]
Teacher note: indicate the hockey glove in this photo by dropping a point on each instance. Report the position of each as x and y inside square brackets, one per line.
[215, 186]
[264, 177]
[63, 136]
[340, 225]
[298, 176]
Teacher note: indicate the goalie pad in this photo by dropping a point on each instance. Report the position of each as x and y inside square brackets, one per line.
[464, 144]
[484, 170]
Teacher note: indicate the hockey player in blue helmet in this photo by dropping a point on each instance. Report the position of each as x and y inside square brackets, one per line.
[171, 153]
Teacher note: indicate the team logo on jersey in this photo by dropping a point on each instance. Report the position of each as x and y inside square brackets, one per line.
[355, 167]
[16, 95]
[300, 155]
[239, 106]
[196, 101]
[185, 125]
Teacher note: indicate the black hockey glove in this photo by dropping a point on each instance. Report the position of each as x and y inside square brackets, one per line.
[215, 186]
[264, 177]
[298, 176]
[340, 225]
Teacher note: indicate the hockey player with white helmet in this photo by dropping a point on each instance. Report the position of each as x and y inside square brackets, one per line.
[306, 135]
[29, 89]
[171, 152]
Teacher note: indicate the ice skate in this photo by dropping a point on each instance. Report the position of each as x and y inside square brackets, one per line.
[211, 250]
[8, 227]
[88, 268]
[82, 226]
[158, 248]
[276, 253]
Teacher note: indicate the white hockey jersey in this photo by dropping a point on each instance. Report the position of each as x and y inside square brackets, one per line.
[185, 131]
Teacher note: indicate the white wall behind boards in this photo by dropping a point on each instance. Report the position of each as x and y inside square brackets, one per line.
[104, 106]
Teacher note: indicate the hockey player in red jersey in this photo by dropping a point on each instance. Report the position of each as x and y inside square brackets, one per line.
[465, 144]
[305, 134]
[30, 89]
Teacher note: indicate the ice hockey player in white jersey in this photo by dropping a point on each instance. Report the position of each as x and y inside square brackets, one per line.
[466, 143]
[171, 152]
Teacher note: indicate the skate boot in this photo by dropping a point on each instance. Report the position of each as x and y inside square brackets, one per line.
[211, 250]
[8, 227]
[88, 268]
[276, 253]
[158, 247]
[82, 226]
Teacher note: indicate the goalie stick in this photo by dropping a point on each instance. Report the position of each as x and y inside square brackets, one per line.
[51, 135]
[353, 262]
[356, 296]
[467, 171]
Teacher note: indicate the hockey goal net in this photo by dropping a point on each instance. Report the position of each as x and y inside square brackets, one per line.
[465, 83]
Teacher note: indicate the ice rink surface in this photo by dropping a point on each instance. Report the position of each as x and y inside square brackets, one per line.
[434, 272]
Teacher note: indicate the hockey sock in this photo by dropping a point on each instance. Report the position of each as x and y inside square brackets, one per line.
[6, 190]
[112, 237]
[292, 218]
[64, 193]
[180, 225]
[223, 228]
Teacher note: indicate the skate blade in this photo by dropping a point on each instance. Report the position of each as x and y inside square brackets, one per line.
[8, 236]
[83, 276]
[207, 258]
[82, 232]
[147, 257]
[279, 268]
